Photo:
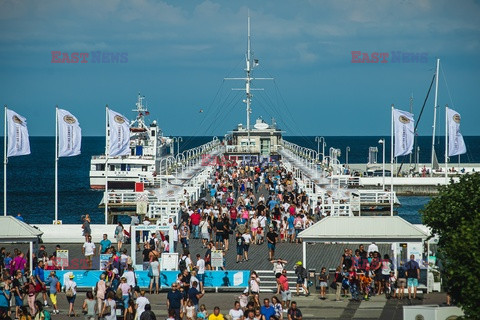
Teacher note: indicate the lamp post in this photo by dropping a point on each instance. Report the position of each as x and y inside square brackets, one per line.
[382, 142]
[346, 154]
[318, 140]
[178, 140]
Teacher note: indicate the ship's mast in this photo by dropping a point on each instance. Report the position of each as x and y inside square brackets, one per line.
[250, 65]
[434, 156]
[248, 79]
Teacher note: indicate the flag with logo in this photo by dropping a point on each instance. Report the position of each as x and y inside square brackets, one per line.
[69, 134]
[119, 142]
[404, 132]
[18, 141]
[456, 145]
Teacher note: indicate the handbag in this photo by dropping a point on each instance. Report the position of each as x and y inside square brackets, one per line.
[107, 311]
[69, 293]
[119, 294]
[333, 285]
[150, 272]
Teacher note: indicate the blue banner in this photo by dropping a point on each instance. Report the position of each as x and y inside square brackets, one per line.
[212, 279]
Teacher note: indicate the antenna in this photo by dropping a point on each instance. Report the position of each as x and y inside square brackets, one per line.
[248, 79]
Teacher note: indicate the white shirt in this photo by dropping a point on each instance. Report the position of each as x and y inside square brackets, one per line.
[89, 248]
[70, 284]
[130, 276]
[201, 266]
[247, 237]
[193, 278]
[372, 248]
[141, 303]
[236, 314]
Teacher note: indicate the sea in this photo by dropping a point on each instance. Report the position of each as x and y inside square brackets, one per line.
[31, 179]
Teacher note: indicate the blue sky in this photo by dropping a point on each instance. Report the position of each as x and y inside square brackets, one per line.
[180, 51]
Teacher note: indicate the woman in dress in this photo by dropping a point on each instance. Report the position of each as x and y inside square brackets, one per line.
[119, 235]
[109, 302]
[155, 269]
[89, 306]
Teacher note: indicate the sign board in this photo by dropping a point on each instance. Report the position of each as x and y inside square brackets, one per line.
[217, 258]
[169, 261]
[62, 259]
[139, 187]
[104, 258]
[142, 207]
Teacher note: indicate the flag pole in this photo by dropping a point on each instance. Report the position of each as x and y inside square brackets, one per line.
[56, 163]
[105, 198]
[446, 144]
[5, 159]
[392, 198]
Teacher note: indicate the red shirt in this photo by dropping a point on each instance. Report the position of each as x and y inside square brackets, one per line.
[195, 217]
[282, 280]
[233, 213]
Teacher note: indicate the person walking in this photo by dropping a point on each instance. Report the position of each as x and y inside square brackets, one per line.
[413, 275]
[302, 275]
[175, 300]
[88, 250]
[154, 268]
[54, 284]
[108, 310]
[119, 235]
[88, 306]
[101, 289]
[71, 294]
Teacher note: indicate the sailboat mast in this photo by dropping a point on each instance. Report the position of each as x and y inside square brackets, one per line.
[435, 114]
[247, 83]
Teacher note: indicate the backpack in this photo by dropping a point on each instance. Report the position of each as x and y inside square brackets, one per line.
[298, 225]
[304, 273]
[46, 315]
[182, 264]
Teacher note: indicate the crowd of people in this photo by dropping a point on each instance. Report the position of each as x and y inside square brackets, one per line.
[246, 205]
[366, 273]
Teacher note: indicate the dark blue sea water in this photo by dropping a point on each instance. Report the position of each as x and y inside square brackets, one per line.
[30, 183]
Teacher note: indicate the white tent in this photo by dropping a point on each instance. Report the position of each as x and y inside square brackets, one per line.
[13, 230]
[378, 229]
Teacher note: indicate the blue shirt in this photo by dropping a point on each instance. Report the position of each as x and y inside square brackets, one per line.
[272, 203]
[4, 302]
[267, 312]
[290, 222]
[174, 297]
[40, 273]
[105, 244]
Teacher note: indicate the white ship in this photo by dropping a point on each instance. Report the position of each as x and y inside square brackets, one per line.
[147, 147]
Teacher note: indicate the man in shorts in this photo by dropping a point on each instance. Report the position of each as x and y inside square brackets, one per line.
[272, 240]
[413, 275]
[88, 250]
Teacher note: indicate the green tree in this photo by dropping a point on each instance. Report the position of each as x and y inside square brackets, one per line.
[455, 216]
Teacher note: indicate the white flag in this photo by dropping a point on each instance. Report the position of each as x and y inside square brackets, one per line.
[456, 145]
[119, 141]
[18, 143]
[404, 132]
[69, 134]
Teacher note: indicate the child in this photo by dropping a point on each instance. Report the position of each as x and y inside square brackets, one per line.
[202, 313]
[392, 280]
[323, 279]
[190, 310]
[243, 299]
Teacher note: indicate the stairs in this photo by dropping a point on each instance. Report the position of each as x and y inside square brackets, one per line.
[268, 282]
